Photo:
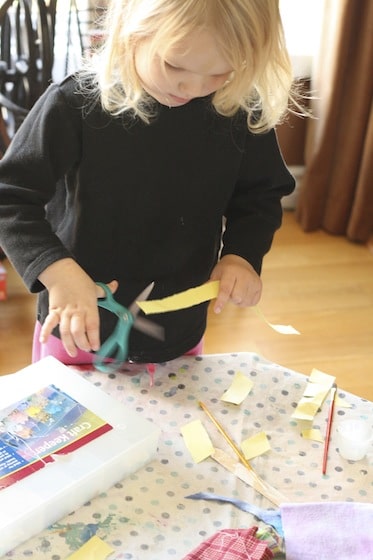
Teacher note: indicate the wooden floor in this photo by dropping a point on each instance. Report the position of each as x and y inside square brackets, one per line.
[320, 284]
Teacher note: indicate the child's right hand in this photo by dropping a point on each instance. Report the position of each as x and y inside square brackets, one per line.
[73, 306]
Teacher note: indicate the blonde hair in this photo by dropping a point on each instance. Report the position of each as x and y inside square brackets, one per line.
[250, 36]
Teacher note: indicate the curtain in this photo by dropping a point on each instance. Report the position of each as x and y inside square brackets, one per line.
[336, 193]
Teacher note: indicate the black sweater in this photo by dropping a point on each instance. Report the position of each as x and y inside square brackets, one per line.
[138, 202]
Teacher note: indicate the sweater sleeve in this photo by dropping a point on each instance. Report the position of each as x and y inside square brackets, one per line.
[46, 145]
[254, 212]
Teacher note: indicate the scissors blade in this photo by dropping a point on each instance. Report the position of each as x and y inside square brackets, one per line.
[141, 323]
[134, 309]
[148, 327]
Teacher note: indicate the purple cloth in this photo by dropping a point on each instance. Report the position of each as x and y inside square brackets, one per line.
[328, 531]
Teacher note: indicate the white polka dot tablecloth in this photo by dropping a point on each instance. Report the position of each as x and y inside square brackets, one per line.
[147, 515]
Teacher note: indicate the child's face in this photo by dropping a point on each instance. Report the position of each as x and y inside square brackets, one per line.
[193, 68]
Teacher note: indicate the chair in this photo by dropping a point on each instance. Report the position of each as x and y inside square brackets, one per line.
[26, 58]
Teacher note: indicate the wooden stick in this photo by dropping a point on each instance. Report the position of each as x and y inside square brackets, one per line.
[226, 461]
[333, 394]
[235, 448]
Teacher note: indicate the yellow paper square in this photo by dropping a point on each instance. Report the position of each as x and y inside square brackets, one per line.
[324, 379]
[282, 329]
[197, 440]
[313, 434]
[320, 397]
[255, 445]
[239, 389]
[94, 549]
[313, 389]
[306, 409]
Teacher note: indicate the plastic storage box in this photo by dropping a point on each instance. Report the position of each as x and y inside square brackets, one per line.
[72, 476]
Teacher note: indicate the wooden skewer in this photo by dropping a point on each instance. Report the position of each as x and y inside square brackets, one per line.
[228, 439]
[255, 481]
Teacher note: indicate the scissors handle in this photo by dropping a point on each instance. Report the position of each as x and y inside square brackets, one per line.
[108, 302]
[113, 352]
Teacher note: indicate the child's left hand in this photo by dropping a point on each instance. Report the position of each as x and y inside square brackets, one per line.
[239, 283]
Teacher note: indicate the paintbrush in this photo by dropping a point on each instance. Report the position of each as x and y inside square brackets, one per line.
[333, 393]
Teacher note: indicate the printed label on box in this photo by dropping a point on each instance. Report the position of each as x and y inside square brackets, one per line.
[37, 427]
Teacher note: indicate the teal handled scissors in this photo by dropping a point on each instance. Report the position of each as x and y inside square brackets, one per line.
[113, 352]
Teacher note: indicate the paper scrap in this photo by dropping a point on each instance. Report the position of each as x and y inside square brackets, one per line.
[282, 329]
[342, 403]
[197, 440]
[255, 445]
[188, 298]
[94, 549]
[239, 389]
[314, 389]
[324, 379]
[313, 434]
[249, 477]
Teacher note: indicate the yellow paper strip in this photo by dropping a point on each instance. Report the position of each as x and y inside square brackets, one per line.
[197, 440]
[239, 389]
[197, 295]
[94, 549]
[190, 297]
[255, 445]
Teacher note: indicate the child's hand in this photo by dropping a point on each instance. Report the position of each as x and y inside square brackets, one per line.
[73, 306]
[239, 283]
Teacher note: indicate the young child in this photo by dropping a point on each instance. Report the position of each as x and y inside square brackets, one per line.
[124, 172]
